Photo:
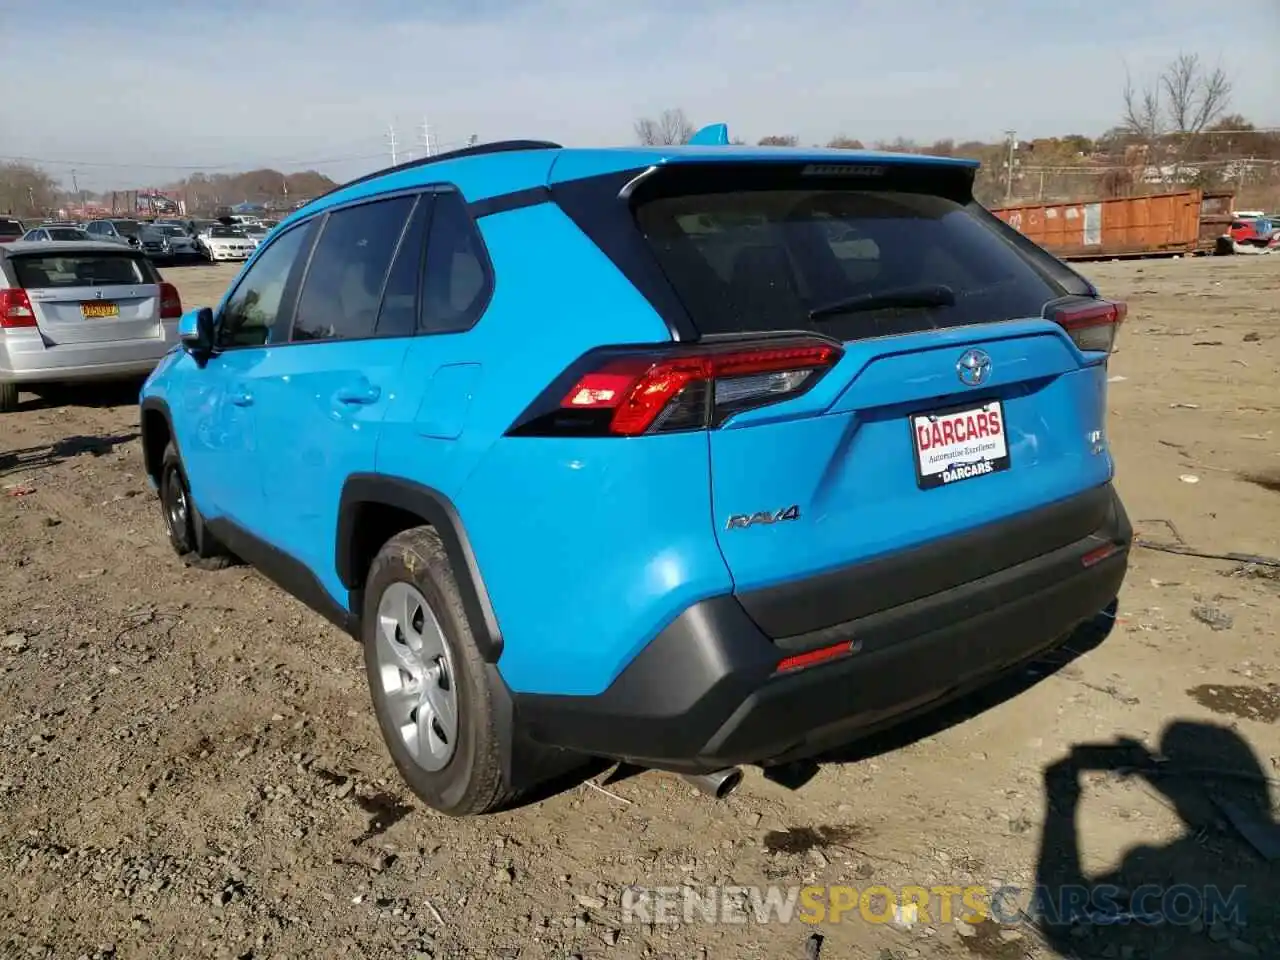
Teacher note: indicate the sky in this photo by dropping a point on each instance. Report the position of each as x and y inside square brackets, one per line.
[145, 92]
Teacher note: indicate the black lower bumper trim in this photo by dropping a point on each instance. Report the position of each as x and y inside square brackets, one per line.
[703, 693]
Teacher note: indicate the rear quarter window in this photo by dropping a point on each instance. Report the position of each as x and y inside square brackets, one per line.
[48, 271]
[10, 228]
[760, 260]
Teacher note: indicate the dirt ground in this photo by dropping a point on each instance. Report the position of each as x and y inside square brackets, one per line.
[189, 766]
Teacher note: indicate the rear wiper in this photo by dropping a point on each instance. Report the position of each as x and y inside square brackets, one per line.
[930, 295]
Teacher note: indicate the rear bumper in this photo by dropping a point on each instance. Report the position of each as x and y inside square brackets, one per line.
[704, 693]
[28, 360]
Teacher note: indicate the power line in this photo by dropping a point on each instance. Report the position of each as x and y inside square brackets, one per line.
[49, 162]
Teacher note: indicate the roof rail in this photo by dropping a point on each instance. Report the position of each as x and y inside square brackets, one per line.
[498, 146]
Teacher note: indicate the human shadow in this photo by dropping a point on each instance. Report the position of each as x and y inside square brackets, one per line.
[49, 454]
[1210, 893]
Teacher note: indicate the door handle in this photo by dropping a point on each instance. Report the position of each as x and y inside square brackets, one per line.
[242, 398]
[358, 394]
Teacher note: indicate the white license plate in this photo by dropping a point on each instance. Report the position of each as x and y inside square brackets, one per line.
[959, 444]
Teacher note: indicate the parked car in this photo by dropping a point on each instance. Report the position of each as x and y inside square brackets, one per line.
[612, 453]
[256, 233]
[154, 243]
[1248, 231]
[80, 311]
[182, 245]
[115, 230]
[54, 232]
[11, 229]
[219, 242]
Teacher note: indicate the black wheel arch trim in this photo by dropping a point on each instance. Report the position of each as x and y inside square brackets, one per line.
[155, 405]
[438, 510]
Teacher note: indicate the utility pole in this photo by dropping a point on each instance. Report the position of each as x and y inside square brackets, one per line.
[425, 133]
[75, 185]
[473, 140]
[391, 138]
[1008, 174]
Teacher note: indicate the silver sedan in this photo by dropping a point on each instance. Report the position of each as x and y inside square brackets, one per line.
[80, 311]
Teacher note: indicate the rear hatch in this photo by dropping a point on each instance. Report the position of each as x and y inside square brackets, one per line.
[885, 371]
[90, 296]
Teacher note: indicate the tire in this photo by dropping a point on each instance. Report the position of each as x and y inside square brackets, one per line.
[457, 770]
[188, 535]
[8, 397]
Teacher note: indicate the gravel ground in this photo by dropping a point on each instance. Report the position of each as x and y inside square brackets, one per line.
[189, 766]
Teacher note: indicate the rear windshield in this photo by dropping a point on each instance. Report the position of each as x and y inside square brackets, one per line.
[43, 271]
[762, 259]
[127, 228]
[66, 233]
[10, 228]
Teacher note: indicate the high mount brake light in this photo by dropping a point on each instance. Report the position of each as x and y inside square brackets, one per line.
[1092, 325]
[670, 390]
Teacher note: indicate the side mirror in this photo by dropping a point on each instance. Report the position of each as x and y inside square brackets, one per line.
[195, 331]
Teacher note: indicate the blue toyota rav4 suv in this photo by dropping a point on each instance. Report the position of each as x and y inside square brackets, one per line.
[689, 456]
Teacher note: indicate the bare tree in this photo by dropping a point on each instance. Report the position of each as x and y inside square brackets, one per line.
[776, 140]
[26, 190]
[672, 127]
[1176, 107]
[841, 142]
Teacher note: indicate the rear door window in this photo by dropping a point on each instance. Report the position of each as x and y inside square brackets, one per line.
[399, 312]
[10, 228]
[54, 270]
[343, 286]
[765, 260]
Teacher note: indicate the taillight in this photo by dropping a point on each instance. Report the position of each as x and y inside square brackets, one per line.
[170, 302]
[15, 309]
[1091, 324]
[663, 390]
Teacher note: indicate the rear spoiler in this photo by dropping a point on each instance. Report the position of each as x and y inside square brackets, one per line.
[704, 174]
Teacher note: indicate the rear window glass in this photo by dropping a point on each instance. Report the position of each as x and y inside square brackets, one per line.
[10, 228]
[762, 260]
[79, 270]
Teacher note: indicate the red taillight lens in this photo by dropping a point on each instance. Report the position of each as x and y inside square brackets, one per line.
[170, 302]
[15, 309]
[1091, 324]
[677, 389]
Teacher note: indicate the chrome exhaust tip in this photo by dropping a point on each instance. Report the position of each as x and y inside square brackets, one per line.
[718, 784]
